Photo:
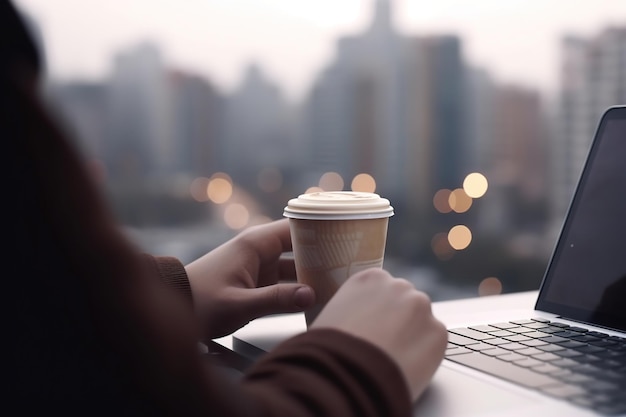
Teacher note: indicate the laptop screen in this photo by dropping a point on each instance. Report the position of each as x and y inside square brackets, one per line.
[586, 277]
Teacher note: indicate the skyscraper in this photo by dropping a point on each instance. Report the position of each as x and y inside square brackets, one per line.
[593, 77]
[391, 105]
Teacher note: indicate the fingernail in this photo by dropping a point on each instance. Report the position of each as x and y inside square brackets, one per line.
[304, 297]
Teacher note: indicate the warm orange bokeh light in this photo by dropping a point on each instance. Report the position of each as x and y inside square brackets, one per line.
[460, 237]
[199, 189]
[441, 201]
[459, 201]
[475, 185]
[331, 181]
[236, 216]
[364, 183]
[219, 190]
[441, 247]
[489, 286]
[313, 190]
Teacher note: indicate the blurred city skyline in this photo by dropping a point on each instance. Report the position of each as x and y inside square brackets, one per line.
[408, 113]
[517, 41]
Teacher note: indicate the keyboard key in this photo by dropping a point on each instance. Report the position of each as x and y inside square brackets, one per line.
[590, 349]
[496, 341]
[521, 330]
[484, 328]
[578, 329]
[540, 320]
[546, 368]
[536, 325]
[563, 391]
[504, 370]
[546, 357]
[566, 333]
[551, 329]
[533, 343]
[564, 363]
[568, 353]
[511, 357]
[584, 338]
[456, 350]
[529, 351]
[516, 338]
[572, 344]
[574, 378]
[480, 347]
[512, 346]
[503, 326]
[528, 362]
[460, 340]
[522, 322]
[553, 339]
[536, 335]
[472, 334]
[495, 352]
[550, 348]
[599, 386]
[502, 333]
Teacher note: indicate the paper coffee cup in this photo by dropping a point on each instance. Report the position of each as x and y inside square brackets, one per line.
[335, 234]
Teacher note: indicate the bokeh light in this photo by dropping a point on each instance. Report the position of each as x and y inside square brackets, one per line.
[236, 216]
[475, 185]
[441, 201]
[220, 188]
[199, 189]
[331, 181]
[459, 201]
[363, 182]
[270, 179]
[460, 237]
[441, 247]
[313, 190]
[489, 286]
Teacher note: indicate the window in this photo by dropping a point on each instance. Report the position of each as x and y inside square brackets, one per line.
[201, 118]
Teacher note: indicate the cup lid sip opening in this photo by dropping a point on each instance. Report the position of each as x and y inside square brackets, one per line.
[338, 205]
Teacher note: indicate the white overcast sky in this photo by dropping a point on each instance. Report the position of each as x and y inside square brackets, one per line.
[517, 41]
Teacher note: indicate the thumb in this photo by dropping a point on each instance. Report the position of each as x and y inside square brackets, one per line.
[279, 298]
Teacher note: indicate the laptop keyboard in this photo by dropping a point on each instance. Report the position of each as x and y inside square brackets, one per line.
[586, 368]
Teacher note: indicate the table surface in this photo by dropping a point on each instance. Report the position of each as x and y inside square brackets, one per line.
[267, 332]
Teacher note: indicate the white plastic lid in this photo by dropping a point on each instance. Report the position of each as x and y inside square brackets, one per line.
[338, 205]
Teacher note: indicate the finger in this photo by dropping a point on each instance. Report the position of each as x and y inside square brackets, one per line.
[278, 298]
[270, 239]
[287, 269]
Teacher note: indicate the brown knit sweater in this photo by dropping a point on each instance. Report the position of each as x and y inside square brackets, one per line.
[97, 328]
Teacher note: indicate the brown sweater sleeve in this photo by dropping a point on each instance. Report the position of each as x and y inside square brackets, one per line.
[337, 374]
[324, 372]
[172, 272]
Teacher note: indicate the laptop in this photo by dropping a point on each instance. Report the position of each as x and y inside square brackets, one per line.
[566, 356]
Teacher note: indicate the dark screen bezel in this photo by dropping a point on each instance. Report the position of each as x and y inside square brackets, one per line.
[570, 312]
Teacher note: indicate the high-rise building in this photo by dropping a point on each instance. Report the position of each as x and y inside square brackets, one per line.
[392, 106]
[197, 123]
[139, 142]
[593, 78]
[355, 110]
[259, 128]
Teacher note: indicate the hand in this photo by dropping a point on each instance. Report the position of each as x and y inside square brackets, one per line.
[391, 314]
[239, 281]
